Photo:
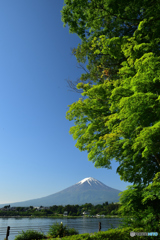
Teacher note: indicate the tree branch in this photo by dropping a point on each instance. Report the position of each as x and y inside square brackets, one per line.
[82, 68]
[157, 158]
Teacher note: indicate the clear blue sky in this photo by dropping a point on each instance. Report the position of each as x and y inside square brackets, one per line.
[38, 156]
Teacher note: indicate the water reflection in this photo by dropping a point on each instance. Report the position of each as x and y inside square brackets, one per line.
[83, 225]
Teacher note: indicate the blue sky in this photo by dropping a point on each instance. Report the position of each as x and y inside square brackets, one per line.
[38, 156]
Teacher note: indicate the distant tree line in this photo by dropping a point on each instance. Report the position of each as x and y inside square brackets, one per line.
[72, 210]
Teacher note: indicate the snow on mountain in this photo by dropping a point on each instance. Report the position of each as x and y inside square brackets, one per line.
[92, 183]
[90, 180]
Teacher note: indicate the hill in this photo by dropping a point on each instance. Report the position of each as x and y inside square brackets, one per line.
[88, 190]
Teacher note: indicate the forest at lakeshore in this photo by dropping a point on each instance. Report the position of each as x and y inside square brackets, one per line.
[72, 210]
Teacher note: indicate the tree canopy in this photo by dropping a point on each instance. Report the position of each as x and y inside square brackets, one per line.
[119, 114]
[143, 205]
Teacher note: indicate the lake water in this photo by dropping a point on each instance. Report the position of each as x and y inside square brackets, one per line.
[83, 225]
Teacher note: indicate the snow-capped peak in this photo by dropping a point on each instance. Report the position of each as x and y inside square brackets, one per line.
[89, 180]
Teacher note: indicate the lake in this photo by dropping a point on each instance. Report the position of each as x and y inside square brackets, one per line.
[83, 225]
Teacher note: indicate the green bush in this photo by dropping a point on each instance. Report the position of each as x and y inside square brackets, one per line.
[30, 235]
[112, 234]
[59, 230]
[84, 236]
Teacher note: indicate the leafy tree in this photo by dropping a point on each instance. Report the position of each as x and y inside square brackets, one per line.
[7, 206]
[87, 206]
[93, 212]
[78, 213]
[19, 208]
[143, 204]
[119, 117]
[54, 208]
[105, 204]
[68, 208]
[48, 211]
[98, 206]
[60, 209]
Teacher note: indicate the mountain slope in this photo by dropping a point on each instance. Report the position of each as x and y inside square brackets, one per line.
[89, 190]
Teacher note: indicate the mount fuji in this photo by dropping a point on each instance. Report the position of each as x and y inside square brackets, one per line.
[88, 190]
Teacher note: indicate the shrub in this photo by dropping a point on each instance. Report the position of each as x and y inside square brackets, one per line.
[112, 234]
[84, 236]
[59, 230]
[30, 235]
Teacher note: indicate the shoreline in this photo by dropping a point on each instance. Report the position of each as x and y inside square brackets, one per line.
[59, 217]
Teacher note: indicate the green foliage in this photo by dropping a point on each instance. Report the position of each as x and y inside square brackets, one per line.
[118, 234]
[120, 115]
[143, 204]
[59, 230]
[84, 236]
[30, 235]
[7, 206]
[73, 210]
